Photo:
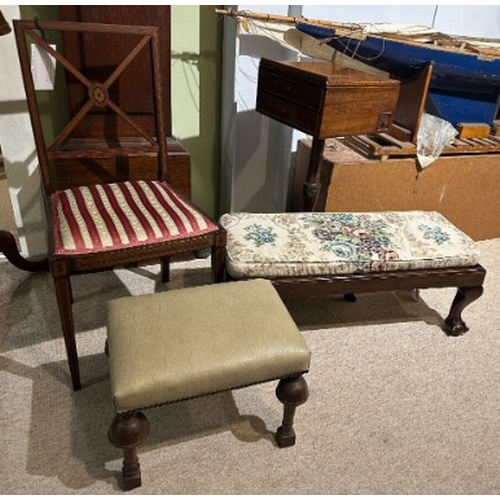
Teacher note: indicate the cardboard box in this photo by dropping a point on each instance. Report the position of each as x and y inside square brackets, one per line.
[463, 188]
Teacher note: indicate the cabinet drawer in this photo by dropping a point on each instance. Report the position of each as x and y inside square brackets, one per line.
[295, 91]
[285, 111]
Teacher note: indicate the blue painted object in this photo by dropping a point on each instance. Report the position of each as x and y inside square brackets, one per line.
[464, 86]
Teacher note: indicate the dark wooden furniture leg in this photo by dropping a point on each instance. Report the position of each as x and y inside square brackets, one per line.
[8, 247]
[62, 284]
[218, 258]
[312, 186]
[165, 269]
[453, 324]
[128, 431]
[468, 280]
[292, 392]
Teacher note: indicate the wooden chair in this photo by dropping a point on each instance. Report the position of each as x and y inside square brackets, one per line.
[113, 222]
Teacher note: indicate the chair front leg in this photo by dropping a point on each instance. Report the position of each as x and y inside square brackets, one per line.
[64, 300]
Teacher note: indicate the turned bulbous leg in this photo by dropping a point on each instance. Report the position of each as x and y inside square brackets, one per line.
[292, 392]
[128, 431]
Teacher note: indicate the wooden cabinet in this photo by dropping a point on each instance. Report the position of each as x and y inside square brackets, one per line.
[325, 100]
[89, 53]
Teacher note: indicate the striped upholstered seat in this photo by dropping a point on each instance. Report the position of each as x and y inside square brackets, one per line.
[122, 215]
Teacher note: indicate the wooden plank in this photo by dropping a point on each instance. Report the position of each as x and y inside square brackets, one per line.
[411, 103]
[385, 145]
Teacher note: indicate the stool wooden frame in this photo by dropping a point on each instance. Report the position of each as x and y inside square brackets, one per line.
[468, 280]
[128, 430]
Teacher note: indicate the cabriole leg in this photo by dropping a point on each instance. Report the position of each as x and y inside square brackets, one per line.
[453, 324]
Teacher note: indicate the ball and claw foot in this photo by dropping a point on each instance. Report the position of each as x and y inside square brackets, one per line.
[292, 392]
[454, 326]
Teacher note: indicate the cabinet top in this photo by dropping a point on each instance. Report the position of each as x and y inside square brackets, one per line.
[325, 73]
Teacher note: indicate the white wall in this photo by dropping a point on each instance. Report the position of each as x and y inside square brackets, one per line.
[18, 147]
[256, 150]
[258, 164]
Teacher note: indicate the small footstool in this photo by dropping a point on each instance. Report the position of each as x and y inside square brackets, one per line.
[191, 342]
[315, 254]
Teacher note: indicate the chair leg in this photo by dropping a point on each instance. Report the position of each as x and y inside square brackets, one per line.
[202, 254]
[128, 431]
[8, 246]
[165, 269]
[453, 324]
[292, 392]
[219, 258]
[64, 300]
[350, 297]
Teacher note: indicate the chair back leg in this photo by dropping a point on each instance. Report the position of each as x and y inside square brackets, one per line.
[165, 269]
[218, 258]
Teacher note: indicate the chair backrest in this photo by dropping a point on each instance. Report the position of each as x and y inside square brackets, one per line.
[85, 52]
[107, 156]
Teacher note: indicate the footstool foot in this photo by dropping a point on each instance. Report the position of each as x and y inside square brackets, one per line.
[292, 392]
[128, 431]
[454, 326]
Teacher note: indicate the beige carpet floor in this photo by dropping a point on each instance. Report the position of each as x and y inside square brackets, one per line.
[395, 407]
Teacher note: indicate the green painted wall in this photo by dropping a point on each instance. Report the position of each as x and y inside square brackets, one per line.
[196, 82]
[196, 40]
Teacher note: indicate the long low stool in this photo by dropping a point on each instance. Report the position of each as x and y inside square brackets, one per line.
[313, 254]
[191, 342]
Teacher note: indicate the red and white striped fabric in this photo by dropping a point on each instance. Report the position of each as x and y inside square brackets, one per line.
[122, 215]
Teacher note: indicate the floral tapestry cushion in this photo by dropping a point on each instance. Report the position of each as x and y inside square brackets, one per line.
[309, 244]
[122, 215]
